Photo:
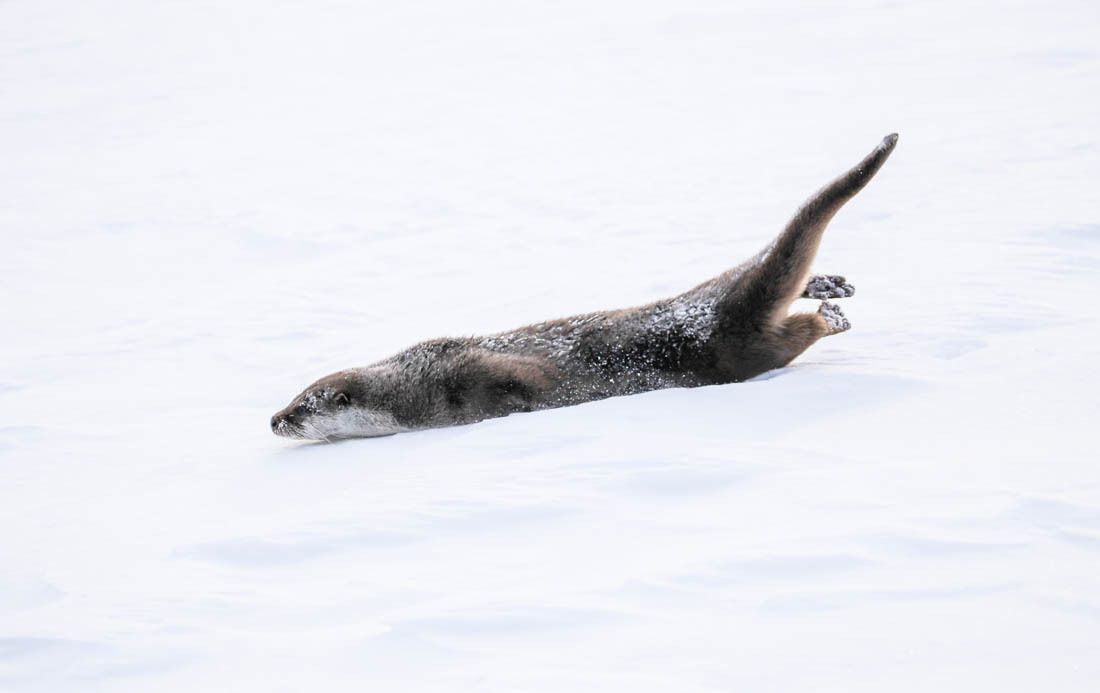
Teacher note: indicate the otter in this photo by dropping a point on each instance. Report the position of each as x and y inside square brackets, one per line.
[726, 330]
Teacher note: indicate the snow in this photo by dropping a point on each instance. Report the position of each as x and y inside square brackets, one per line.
[207, 206]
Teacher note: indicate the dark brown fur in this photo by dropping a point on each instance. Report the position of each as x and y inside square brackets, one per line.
[725, 330]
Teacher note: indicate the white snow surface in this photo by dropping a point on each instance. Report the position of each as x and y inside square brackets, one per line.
[206, 206]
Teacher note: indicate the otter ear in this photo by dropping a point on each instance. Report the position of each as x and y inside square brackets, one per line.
[340, 398]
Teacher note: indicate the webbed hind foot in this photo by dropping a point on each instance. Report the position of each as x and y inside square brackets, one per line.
[822, 286]
[835, 319]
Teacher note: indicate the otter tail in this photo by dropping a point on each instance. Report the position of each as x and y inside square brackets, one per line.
[779, 274]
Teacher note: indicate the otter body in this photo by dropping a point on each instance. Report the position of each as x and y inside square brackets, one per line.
[726, 330]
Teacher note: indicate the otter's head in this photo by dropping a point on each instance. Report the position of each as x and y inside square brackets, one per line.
[341, 405]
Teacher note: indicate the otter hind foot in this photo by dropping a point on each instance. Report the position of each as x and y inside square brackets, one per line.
[823, 286]
[835, 319]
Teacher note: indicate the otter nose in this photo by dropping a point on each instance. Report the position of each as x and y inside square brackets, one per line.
[274, 422]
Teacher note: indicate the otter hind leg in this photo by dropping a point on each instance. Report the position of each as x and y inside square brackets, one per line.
[825, 286]
[796, 333]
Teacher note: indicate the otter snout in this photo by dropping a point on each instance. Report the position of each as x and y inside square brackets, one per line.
[285, 423]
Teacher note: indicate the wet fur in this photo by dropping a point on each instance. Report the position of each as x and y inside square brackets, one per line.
[725, 330]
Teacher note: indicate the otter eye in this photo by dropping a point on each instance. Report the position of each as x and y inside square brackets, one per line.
[340, 398]
[299, 410]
